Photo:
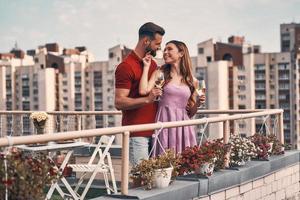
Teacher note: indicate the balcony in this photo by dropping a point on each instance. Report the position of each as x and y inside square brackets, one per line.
[255, 179]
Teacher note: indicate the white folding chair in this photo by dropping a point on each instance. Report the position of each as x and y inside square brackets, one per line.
[99, 166]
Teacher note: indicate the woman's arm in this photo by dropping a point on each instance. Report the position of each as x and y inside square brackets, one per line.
[192, 110]
[146, 86]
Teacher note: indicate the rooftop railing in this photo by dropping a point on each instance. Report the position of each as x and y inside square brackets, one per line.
[126, 130]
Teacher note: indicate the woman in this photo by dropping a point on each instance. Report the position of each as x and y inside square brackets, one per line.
[179, 95]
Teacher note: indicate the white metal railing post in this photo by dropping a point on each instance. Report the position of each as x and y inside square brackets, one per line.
[78, 122]
[226, 136]
[280, 128]
[125, 163]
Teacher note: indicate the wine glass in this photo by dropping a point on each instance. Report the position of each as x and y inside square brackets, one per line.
[160, 80]
[201, 89]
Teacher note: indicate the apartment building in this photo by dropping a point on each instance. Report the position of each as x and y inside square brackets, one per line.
[54, 78]
[230, 84]
[290, 42]
[290, 37]
[276, 87]
[254, 80]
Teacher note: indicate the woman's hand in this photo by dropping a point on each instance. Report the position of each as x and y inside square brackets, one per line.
[192, 110]
[201, 100]
[147, 60]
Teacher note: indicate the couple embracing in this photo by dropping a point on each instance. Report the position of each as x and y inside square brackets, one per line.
[147, 93]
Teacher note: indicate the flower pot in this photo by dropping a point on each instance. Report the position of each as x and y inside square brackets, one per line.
[238, 163]
[40, 126]
[205, 169]
[162, 177]
[271, 146]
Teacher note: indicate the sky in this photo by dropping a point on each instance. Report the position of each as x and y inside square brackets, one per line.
[102, 24]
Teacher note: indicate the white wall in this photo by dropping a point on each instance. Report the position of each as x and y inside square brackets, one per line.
[217, 94]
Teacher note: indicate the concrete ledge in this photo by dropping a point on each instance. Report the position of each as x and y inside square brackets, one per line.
[251, 171]
[191, 186]
[176, 191]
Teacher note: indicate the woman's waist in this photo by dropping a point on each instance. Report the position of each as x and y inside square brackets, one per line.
[173, 105]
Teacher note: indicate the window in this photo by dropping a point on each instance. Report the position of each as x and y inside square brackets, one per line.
[285, 45]
[284, 86]
[283, 66]
[26, 106]
[25, 92]
[242, 97]
[242, 106]
[200, 50]
[78, 75]
[111, 55]
[260, 106]
[208, 58]
[260, 67]
[242, 87]
[260, 97]
[285, 36]
[66, 107]
[260, 85]
[241, 78]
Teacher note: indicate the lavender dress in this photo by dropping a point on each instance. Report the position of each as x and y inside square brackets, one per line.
[172, 107]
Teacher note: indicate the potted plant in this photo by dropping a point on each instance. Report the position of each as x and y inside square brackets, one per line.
[199, 159]
[241, 150]
[277, 148]
[221, 149]
[39, 121]
[263, 146]
[25, 176]
[156, 171]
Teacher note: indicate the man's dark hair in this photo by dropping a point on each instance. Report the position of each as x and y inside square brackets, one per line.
[150, 29]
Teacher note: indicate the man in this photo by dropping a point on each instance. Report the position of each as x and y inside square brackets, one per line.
[138, 109]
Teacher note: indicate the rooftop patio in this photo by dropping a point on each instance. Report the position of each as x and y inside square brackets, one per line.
[224, 184]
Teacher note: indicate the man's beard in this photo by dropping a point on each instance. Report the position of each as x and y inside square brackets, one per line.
[151, 51]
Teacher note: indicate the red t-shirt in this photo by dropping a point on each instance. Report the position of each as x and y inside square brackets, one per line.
[127, 76]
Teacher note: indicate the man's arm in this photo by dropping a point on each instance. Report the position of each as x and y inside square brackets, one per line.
[123, 102]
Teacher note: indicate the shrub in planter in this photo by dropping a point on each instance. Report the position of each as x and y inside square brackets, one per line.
[241, 150]
[200, 159]
[27, 176]
[39, 121]
[164, 166]
[277, 148]
[220, 150]
[263, 146]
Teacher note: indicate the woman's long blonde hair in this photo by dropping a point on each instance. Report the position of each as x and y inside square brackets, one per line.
[185, 67]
